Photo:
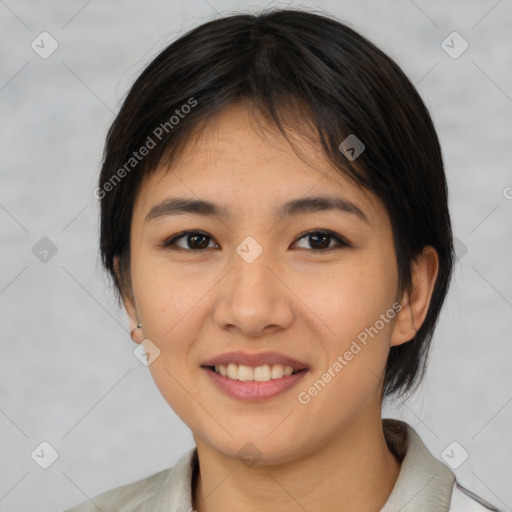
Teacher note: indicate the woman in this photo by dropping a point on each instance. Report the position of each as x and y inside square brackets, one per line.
[274, 216]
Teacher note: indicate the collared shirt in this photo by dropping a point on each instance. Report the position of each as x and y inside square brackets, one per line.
[424, 484]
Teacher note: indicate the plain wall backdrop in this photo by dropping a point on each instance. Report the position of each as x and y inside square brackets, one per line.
[68, 375]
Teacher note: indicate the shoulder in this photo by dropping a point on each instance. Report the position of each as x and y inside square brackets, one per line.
[466, 501]
[424, 482]
[128, 497]
[169, 489]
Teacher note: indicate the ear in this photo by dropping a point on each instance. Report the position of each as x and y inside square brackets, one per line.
[130, 308]
[415, 303]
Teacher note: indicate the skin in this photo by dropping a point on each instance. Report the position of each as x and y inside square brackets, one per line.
[329, 454]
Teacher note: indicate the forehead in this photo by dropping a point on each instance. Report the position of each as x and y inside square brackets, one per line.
[239, 160]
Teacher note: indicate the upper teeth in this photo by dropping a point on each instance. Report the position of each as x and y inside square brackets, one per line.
[259, 373]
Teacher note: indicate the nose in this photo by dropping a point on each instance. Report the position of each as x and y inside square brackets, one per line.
[254, 300]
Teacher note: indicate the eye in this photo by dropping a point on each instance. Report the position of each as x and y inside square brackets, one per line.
[190, 240]
[321, 240]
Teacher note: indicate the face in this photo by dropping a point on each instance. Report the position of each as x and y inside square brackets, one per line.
[311, 285]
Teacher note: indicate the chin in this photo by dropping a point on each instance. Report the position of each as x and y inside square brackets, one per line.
[257, 449]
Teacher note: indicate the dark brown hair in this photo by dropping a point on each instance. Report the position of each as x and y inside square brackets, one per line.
[296, 69]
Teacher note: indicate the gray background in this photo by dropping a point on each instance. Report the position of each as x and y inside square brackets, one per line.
[68, 375]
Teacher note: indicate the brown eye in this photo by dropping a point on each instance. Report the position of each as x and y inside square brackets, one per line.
[318, 241]
[189, 240]
[321, 240]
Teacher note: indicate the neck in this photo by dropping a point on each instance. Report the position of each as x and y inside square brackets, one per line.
[354, 471]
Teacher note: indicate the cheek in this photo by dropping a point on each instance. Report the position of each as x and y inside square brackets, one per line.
[353, 296]
[172, 313]
[357, 305]
[174, 307]
[166, 298]
[361, 315]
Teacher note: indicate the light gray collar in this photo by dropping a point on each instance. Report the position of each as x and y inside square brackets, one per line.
[177, 487]
[424, 483]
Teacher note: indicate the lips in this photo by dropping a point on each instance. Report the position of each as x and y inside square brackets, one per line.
[252, 390]
[255, 360]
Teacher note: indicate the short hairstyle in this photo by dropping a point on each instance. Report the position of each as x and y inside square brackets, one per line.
[294, 68]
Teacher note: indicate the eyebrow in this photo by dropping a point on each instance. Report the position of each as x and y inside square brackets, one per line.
[178, 206]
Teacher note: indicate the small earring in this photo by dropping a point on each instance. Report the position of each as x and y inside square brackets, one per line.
[139, 326]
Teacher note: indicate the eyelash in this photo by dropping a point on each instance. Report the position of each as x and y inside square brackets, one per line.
[168, 244]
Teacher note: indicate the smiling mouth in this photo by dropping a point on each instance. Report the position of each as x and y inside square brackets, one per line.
[261, 373]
